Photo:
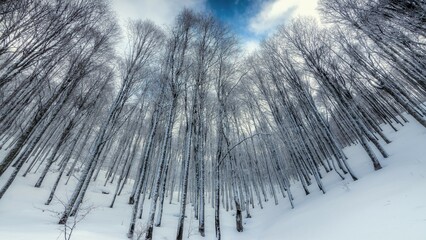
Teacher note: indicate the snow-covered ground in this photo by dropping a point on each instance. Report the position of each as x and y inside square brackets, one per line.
[386, 204]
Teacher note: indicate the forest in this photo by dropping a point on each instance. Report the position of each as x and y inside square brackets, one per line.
[183, 114]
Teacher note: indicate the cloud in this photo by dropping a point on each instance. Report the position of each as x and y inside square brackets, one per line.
[250, 46]
[162, 12]
[275, 12]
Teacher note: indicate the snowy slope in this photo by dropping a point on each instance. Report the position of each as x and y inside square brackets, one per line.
[387, 204]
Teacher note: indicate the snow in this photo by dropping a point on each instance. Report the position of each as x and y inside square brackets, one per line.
[386, 204]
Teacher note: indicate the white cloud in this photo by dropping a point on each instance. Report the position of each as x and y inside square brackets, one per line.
[162, 12]
[275, 12]
[250, 46]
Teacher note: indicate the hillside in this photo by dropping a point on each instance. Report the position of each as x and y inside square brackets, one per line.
[386, 204]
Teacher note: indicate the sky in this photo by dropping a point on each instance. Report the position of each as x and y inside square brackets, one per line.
[252, 20]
